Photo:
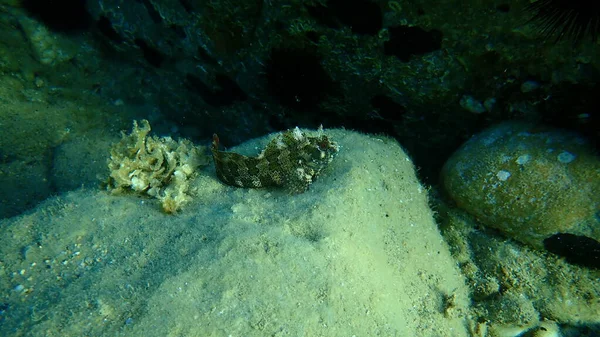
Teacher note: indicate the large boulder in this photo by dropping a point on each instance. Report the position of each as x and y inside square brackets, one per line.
[537, 185]
[359, 253]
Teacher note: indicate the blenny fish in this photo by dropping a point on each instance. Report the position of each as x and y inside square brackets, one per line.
[292, 160]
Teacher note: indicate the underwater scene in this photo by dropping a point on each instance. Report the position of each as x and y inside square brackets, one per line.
[312, 168]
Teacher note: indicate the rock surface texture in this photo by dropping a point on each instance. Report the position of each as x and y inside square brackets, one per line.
[358, 253]
[529, 182]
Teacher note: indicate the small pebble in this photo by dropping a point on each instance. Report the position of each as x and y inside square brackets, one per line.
[503, 175]
[471, 104]
[566, 157]
[529, 86]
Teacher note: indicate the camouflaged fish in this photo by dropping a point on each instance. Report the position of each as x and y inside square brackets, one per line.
[291, 160]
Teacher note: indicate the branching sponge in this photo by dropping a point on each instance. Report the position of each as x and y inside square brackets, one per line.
[158, 167]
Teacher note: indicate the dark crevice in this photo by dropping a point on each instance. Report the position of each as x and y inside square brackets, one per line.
[60, 15]
[362, 16]
[576, 249]
[297, 79]
[407, 41]
[105, 27]
[313, 36]
[154, 14]
[187, 5]
[151, 54]
[227, 93]
[575, 106]
[387, 108]
[206, 57]
[324, 16]
[178, 30]
[503, 8]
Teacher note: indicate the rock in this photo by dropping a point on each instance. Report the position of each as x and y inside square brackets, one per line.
[358, 253]
[515, 285]
[81, 162]
[529, 182]
[24, 184]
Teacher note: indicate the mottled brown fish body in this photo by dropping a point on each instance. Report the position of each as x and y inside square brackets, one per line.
[291, 160]
[241, 171]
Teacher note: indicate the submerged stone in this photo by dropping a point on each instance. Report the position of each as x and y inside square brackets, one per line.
[529, 182]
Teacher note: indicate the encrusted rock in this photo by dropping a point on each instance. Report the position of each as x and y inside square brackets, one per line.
[530, 182]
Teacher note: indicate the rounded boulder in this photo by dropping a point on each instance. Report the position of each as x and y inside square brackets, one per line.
[530, 182]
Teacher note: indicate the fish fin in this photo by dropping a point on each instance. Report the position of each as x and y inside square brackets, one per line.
[215, 142]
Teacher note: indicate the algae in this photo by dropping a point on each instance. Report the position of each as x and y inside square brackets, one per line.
[161, 168]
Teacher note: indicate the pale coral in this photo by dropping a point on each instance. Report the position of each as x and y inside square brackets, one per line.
[158, 167]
